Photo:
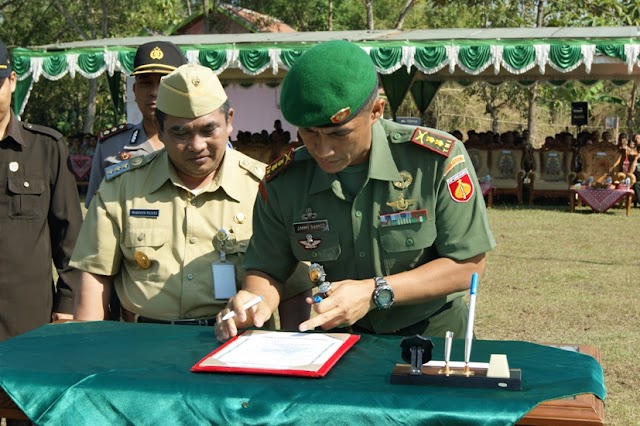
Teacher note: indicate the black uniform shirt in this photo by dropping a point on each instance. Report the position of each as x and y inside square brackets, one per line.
[40, 218]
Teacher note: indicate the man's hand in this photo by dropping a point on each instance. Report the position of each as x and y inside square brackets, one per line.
[58, 316]
[256, 315]
[349, 301]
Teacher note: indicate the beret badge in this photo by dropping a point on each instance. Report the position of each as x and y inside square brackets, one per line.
[341, 115]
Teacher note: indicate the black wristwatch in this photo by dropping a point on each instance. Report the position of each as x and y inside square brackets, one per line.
[383, 294]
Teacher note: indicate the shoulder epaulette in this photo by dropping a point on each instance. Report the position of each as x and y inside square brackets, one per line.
[107, 133]
[42, 129]
[279, 164]
[256, 168]
[436, 142]
[127, 165]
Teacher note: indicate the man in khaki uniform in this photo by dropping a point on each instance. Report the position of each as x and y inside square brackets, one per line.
[393, 213]
[170, 229]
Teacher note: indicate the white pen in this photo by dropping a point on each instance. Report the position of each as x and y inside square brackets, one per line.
[246, 306]
[472, 313]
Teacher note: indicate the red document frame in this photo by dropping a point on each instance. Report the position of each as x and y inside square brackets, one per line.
[316, 370]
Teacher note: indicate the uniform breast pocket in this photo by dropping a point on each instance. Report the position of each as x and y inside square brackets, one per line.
[403, 246]
[29, 200]
[147, 251]
[320, 247]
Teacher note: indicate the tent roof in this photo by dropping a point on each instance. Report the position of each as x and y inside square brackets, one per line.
[408, 36]
[437, 55]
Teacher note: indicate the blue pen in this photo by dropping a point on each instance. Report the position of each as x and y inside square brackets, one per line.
[472, 312]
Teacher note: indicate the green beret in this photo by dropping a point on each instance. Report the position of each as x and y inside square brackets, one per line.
[328, 85]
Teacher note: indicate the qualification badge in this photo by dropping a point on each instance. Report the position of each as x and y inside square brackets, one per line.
[222, 236]
[407, 179]
[309, 243]
[401, 203]
[142, 260]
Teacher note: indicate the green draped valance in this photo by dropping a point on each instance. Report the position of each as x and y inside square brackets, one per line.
[457, 60]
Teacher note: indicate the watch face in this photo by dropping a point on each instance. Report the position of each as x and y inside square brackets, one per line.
[384, 297]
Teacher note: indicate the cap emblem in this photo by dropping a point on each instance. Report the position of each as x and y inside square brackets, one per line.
[195, 81]
[156, 53]
[341, 115]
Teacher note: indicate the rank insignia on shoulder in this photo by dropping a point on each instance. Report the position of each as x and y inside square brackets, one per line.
[117, 169]
[435, 142]
[105, 134]
[278, 165]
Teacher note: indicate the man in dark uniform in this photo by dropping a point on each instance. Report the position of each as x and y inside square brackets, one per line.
[152, 61]
[391, 212]
[40, 218]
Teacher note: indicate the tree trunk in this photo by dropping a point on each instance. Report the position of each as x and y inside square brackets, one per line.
[369, 7]
[330, 16]
[631, 109]
[405, 11]
[205, 16]
[90, 112]
[533, 111]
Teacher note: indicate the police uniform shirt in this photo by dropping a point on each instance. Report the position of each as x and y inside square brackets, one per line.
[417, 205]
[120, 143]
[148, 211]
[41, 218]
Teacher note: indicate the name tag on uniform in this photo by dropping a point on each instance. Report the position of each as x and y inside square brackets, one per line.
[312, 226]
[153, 214]
[224, 280]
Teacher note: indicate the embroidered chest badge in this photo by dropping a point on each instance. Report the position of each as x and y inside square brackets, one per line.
[309, 243]
[460, 186]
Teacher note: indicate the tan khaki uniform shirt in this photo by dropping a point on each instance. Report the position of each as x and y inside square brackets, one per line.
[148, 210]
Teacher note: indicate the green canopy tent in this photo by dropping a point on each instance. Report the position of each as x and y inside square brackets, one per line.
[416, 61]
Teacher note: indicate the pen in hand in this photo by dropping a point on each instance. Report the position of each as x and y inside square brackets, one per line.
[246, 306]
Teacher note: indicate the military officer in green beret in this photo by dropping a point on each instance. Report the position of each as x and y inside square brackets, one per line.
[170, 229]
[392, 213]
[152, 61]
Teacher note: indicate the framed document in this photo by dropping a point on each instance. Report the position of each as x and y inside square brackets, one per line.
[278, 353]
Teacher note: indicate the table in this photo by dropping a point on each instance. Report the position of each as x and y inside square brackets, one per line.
[600, 200]
[488, 191]
[141, 372]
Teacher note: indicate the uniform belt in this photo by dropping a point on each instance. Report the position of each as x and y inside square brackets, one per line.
[129, 316]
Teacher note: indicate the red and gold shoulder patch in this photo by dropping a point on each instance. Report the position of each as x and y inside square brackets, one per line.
[460, 186]
[107, 133]
[435, 142]
[278, 165]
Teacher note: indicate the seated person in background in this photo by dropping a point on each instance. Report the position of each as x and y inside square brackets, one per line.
[170, 229]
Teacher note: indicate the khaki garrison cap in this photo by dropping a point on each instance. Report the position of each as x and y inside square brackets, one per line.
[190, 91]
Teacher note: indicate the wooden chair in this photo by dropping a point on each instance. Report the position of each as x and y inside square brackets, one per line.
[551, 175]
[507, 171]
[480, 161]
[603, 160]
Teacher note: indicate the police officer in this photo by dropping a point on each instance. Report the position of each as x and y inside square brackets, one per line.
[170, 229]
[391, 212]
[40, 218]
[152, 61]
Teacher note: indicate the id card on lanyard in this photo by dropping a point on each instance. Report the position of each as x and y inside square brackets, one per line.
[224, 273]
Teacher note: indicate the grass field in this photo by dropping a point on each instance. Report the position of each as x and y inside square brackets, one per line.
[560, 277]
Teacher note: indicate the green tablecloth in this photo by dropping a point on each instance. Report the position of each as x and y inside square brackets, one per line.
[117, 373]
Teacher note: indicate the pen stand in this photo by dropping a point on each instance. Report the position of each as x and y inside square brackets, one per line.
[417, 350]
